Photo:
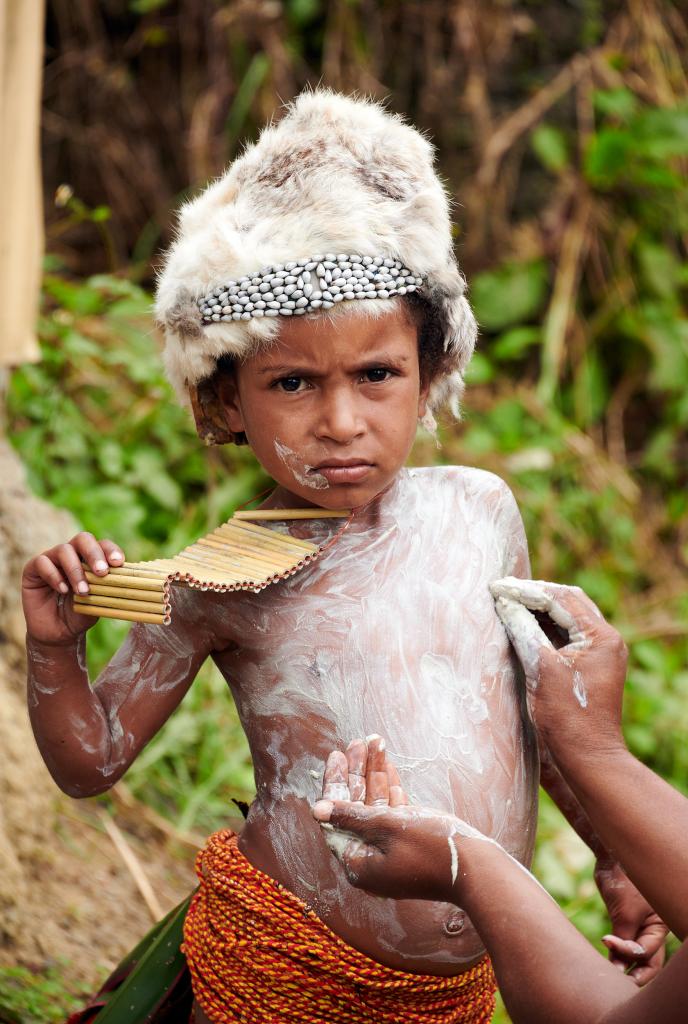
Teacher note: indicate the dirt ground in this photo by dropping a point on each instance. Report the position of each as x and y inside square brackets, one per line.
[83, 909]
[69, 895]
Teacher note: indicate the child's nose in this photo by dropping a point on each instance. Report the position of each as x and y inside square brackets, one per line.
[340, 418]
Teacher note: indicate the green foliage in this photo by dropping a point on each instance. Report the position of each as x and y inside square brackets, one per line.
[584, 288]
[511, 294]
[37, 997]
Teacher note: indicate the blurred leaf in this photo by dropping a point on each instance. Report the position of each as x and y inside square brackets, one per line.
[618, 103]
[479, 370]
[513, 293]
[549, 144]
[608, 156]
[515, 343]
[147, 6]
[248, 87]
[661, 133]
[659, 267]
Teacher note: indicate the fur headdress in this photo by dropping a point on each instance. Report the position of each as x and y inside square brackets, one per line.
[336, 174]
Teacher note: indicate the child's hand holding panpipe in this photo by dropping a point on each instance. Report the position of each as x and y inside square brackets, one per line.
[48, 578]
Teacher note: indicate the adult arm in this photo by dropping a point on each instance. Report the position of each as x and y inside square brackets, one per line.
[638, 934]
[575, 696]
[546, 970]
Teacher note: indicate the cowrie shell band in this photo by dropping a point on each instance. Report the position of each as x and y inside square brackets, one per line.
[304, 286]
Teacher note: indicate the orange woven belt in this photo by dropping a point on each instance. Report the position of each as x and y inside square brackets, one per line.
[259, 955]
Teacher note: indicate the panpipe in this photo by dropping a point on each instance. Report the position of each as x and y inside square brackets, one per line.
[238, 555]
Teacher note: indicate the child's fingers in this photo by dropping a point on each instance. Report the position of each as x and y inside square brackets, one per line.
[91, 553]
[112, 552]
[335, 778]
[357, 756]
[69, 561]
[45, 570]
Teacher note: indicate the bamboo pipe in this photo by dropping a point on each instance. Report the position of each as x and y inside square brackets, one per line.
[129, 593]
[293, 513]
[126, 616]
[120, 579]
[117, 602]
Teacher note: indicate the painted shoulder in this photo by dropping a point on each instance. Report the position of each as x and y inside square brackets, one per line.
[464, 482]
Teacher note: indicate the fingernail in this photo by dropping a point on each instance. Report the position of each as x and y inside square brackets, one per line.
[63, 588]
[82, 587]
[101, 566]
[117, 555]
[638, 949]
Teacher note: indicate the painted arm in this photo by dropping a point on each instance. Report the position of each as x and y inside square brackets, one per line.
[546, 970]
[89, 735]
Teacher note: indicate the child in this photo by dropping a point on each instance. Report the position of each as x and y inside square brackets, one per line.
[313, 308]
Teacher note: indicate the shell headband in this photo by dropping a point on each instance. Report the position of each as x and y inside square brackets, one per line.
[306, 285]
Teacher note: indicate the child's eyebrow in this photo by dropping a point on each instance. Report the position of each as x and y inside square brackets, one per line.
[375, 359]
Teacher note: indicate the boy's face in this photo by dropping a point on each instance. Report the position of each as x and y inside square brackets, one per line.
[331, 408]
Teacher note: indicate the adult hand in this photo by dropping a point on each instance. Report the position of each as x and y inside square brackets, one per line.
[637, 944]
[385, 845]
[574, 689]
[48, 579]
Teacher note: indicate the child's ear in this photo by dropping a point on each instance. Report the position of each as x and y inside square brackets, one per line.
[228, 394]
[423, 398]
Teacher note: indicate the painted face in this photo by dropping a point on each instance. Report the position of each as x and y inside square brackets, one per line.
[331, 408]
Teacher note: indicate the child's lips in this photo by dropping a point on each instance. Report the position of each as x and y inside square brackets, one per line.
[341, 472]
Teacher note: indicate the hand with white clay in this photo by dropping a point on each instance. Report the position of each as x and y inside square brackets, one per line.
[387, 846]
[575, 695]
[574, 690]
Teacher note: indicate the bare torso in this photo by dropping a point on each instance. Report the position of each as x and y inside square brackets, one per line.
[392, 631]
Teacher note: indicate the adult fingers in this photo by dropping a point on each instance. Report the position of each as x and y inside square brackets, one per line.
[524, 632]
[361, 820]
[335, 778]
[397, 796]
[377, 784]
[649, 969]
[357, 757]
[568, 607]
[623, 951]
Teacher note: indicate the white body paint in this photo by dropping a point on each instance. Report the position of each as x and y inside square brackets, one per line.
[300, 470]
[393, 631]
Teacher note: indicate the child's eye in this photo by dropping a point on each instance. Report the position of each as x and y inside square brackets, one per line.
[377, 374]
[290, 384]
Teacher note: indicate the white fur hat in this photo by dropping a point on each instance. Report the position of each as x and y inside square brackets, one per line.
[335, 174]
